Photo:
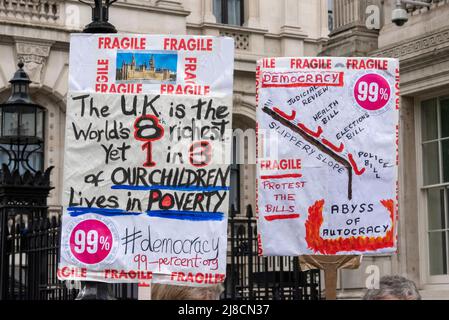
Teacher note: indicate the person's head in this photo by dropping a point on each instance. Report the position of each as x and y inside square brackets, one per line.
[394, 288]
[172, 292]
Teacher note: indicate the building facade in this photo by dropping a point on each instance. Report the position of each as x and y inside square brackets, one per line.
[364, 28]
[38, 32]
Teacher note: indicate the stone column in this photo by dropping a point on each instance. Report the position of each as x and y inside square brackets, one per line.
[290, 13]
[208, 13]
[347, 12]
[350, 29]
[408, 258]
[253, 14]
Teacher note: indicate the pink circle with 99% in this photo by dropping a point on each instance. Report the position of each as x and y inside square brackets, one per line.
[91, 241]
[372, 92]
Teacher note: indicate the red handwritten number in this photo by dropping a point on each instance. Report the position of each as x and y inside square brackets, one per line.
[142, 261]
[149, 163]
[200, 154]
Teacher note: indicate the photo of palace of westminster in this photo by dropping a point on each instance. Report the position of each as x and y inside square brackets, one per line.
[130, 72]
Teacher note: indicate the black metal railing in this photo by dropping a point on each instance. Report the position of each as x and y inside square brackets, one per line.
[27, 235]
[33, 255]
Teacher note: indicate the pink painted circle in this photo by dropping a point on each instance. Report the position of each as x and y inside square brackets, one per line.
[91, 241]
[372, 92]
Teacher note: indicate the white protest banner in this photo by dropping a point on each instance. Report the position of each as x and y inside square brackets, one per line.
[147, 159]
[327, 166]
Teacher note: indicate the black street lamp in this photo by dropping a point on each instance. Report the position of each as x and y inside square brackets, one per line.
[100, 17]
[92, 290]
[21, 127]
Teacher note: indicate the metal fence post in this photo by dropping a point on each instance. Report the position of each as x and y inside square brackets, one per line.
[231, 272]
[249, 215]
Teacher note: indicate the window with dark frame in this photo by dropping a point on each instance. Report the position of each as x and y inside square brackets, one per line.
[229, 11]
